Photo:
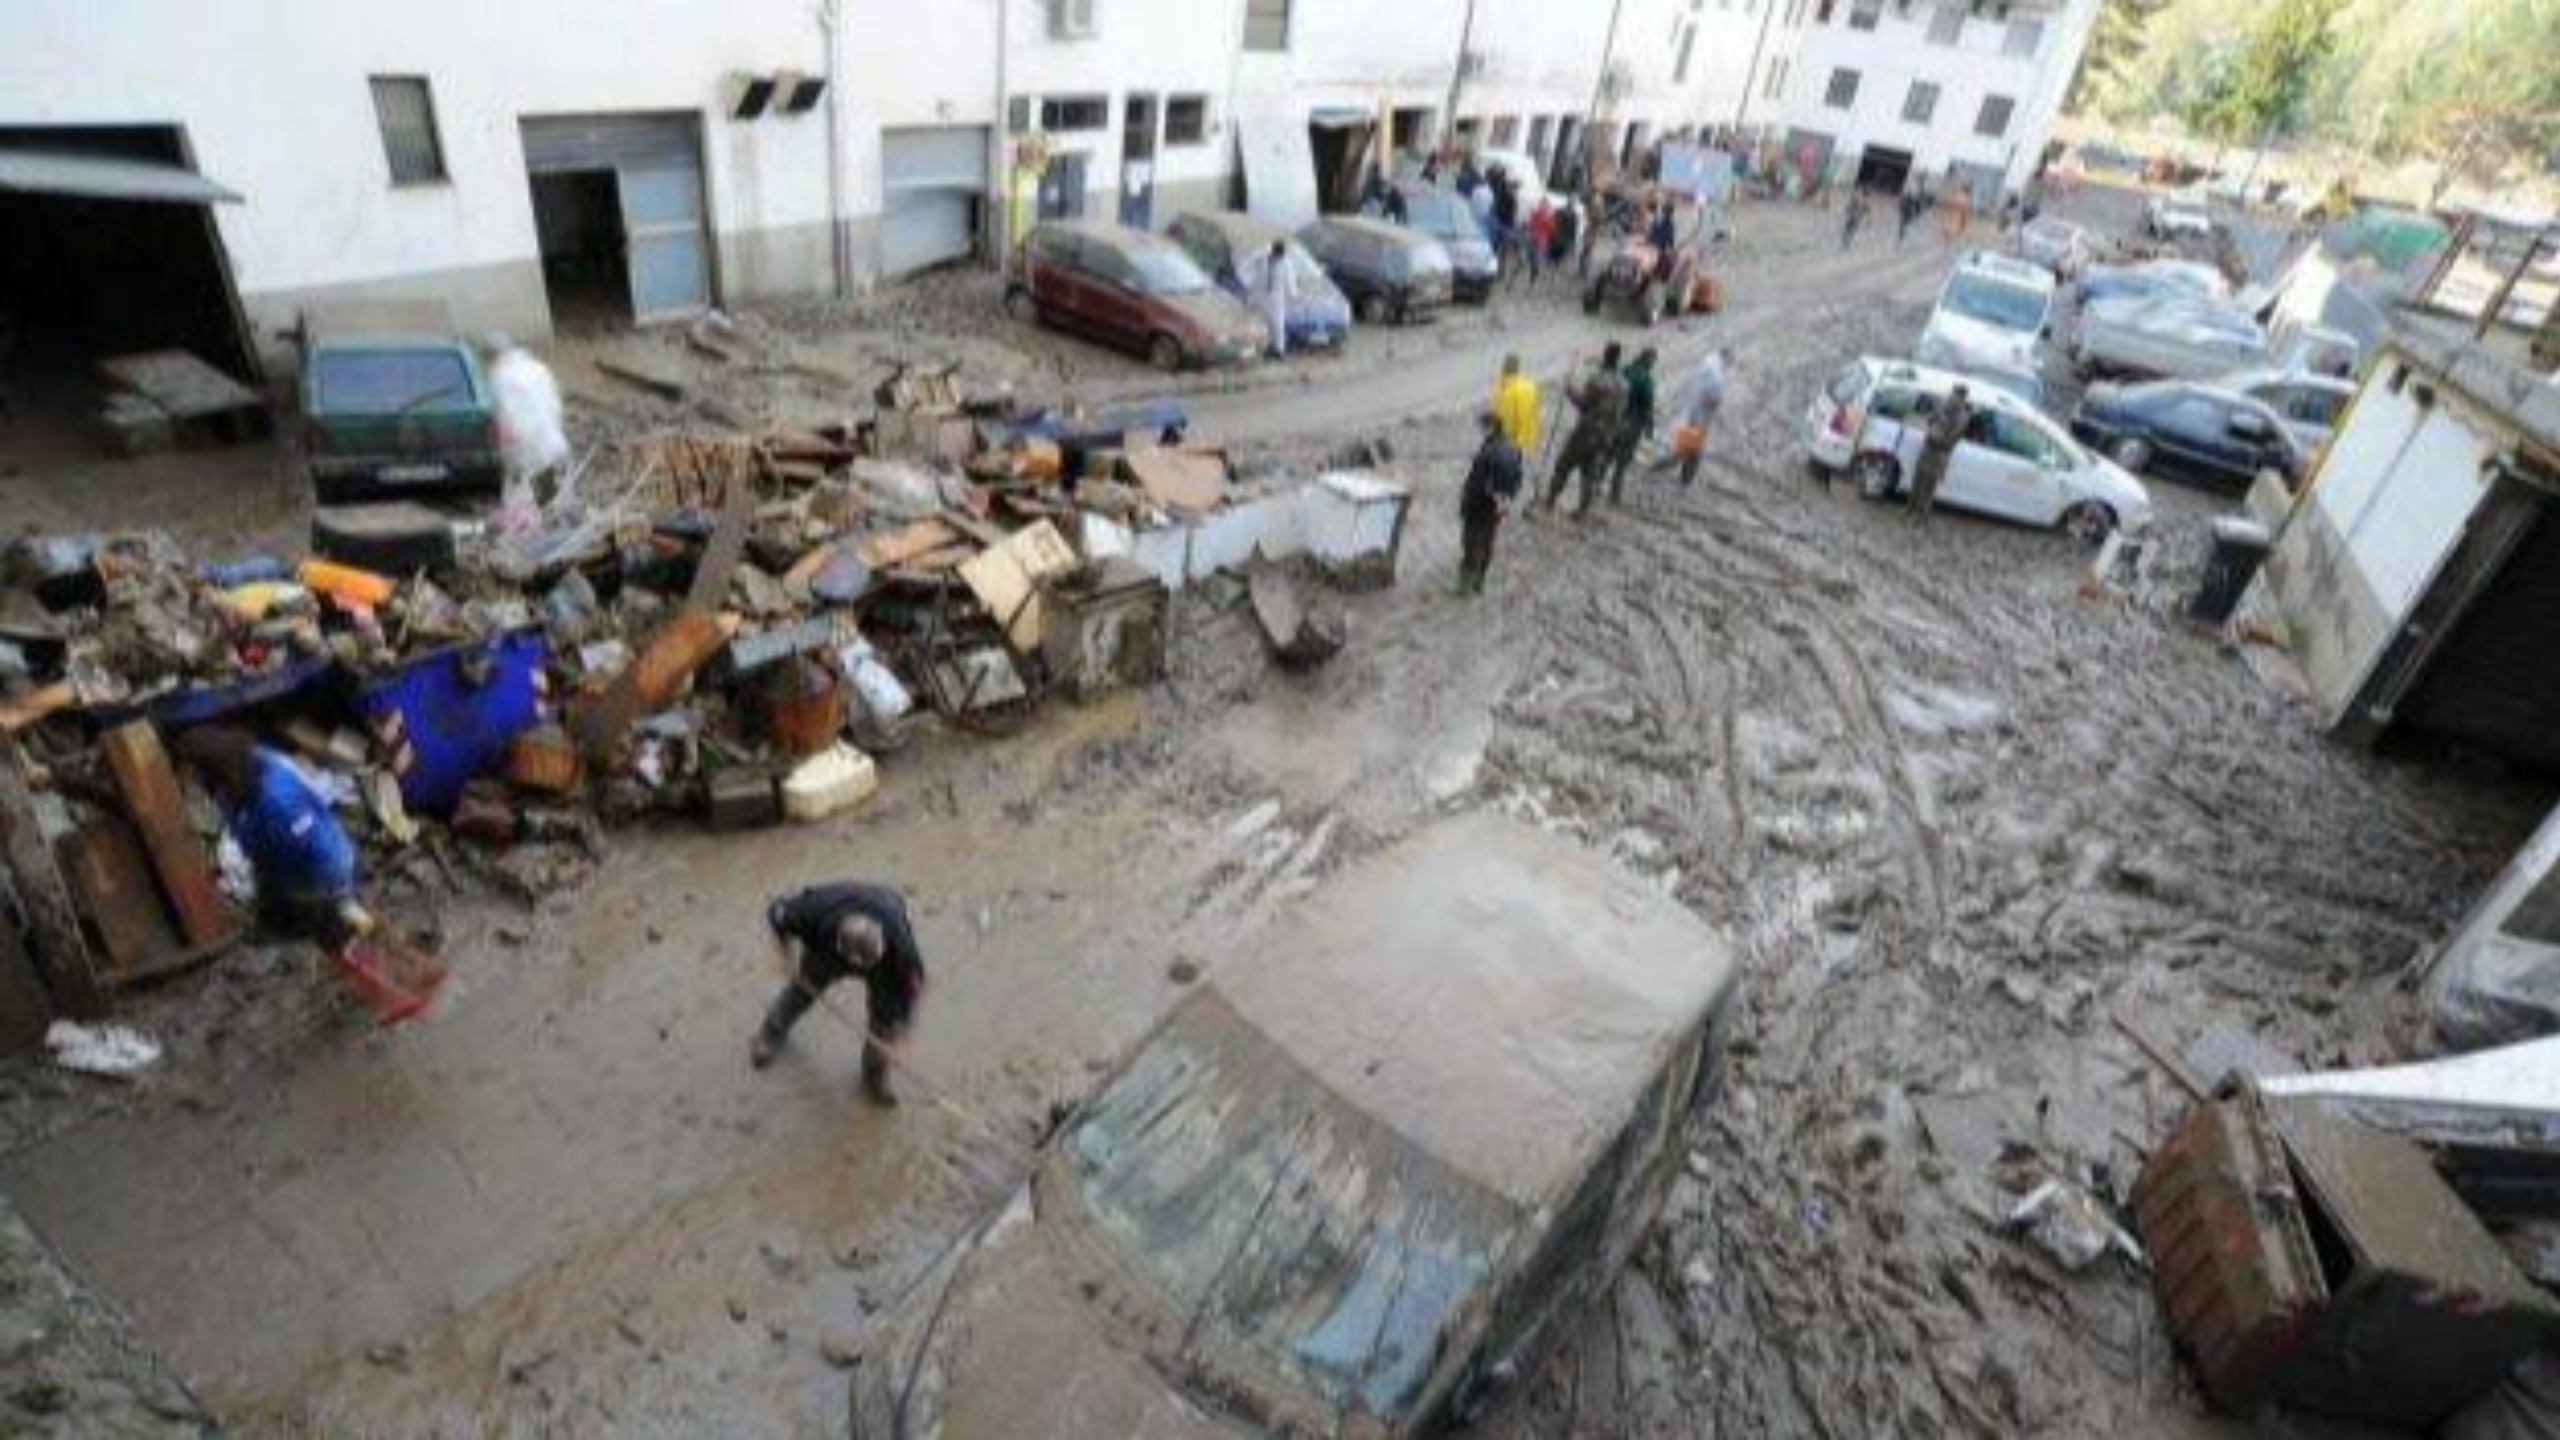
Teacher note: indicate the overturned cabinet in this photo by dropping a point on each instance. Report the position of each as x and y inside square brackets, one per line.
[1105, 628]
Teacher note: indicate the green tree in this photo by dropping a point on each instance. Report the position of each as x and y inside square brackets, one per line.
[2265, 86]
[2116, 47]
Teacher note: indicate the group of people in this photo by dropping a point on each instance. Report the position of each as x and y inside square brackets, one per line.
[1616, 407]
[1915, 202]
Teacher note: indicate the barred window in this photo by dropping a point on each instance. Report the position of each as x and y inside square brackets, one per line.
[407, 113]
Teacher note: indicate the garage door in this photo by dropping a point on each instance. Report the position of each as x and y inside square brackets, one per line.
[934, 181]
[656, 160]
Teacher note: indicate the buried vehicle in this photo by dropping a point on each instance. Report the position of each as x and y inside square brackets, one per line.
[1133, 290]
[1349, 1184]
[1872, 419]
[1388, 271]
[1236, 251]
[394, 402]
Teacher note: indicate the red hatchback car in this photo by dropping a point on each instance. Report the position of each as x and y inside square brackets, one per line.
[1130, 289]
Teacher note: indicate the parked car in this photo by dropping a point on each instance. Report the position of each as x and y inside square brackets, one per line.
[1991, 315]
[2315, 350]
[2170, 337]
[2187, 431]
[1528, 182]
[1234, 247]
[1390, 272]
[1349, 1187]
[394, 402]
[2061, 247]
[1132, 290]
[1445, 216]
[2183, 216]
[2309, 405]
[1870, 421]
[2150, 278]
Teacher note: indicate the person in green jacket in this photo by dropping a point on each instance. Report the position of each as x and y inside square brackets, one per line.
[1636, 424]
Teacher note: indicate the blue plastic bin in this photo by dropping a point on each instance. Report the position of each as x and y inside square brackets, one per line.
[439, 729]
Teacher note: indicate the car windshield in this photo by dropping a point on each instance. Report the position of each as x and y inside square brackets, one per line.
[1995, 302]
[1165, 270]
[1271, 1217]
[1441, 214]
[390, 382]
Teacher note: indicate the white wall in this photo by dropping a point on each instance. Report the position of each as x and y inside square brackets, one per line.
[1898, 53]
[1162, 48]
[274, 100]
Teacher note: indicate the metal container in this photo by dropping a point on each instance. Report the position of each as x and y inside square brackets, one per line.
[1105, 628]
[801, 704]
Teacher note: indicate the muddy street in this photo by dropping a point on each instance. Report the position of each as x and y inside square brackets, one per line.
[1958, 811]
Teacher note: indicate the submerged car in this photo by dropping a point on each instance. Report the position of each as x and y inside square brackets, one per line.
[1390, 272]
[1445, 216]
[1351, 1183]
[2197, 433]
[1870, 421]
[2059, 247]
[2309, 404]
[1234, 248]
[1133, 290]
[1991, 315]
[394, 402]
[2169, 337]
[2151, 278]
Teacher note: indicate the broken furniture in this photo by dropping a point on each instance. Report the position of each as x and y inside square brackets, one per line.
[1300, 638]
[2309, 1262]
[1106, 629]
[168, 399]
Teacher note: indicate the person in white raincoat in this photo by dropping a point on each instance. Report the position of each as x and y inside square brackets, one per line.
[1277, 289]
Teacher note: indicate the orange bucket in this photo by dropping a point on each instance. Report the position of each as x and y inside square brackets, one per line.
[1689, 440]
[394, 981]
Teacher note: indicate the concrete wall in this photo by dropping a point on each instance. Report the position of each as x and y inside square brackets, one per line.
[274, 100]
[2386, 508]
[1163, 48]
[1898, 53]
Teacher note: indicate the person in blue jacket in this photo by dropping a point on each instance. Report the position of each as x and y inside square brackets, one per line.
[305, 864]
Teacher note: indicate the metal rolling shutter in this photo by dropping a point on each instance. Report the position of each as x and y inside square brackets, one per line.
[657, 163]
[2495, 683]
[554, 143]
[932, 181]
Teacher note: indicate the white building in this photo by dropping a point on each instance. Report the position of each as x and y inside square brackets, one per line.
[521, 162]
[1877, 90]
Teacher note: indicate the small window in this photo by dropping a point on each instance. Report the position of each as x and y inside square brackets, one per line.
[1843, 92]
[1688, 44]
[1506, 132]
[1186, 120]
[1822, 15]
[1865, 14]
[407, 113]
[1266, 24]
[1946, 26]
[2026, 37]
[1067, 114]
[1921, 103]
[1017, 115]
[1994, 120]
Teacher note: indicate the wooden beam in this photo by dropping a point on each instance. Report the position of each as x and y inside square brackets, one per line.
[158, 809]
[53, 925]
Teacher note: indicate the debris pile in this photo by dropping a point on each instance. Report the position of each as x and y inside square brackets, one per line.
[702, 623]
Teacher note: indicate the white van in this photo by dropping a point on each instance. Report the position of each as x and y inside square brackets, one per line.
[1990, 316]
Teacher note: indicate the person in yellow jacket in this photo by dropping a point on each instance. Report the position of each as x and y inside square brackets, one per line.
[1515, 404]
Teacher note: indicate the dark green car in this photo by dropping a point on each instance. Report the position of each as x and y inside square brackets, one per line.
[394, 403]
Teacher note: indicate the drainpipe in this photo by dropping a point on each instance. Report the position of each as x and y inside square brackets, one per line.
[1458, 75]
[1599, 87]
[1000, 162]
[837, 250]
[1751, 72]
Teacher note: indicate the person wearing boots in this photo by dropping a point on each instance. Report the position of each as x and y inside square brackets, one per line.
[848, 931]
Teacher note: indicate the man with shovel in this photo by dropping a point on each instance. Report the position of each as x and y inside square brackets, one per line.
[852, 930]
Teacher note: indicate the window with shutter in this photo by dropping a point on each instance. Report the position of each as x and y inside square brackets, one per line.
[407, 114]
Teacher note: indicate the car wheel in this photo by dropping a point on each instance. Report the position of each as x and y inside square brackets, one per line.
[1652, 313]
[2090, 522]
[1165, 353]
[1373, 309]
[1019, 304]
[2133, 454]
[1591, 298]
[1878, 475]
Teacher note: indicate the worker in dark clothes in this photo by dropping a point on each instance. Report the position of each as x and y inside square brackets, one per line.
[1600, 406]
[1946, 431]
[304, 863]
[1493, 482]
[846, 931]
[1637, 424]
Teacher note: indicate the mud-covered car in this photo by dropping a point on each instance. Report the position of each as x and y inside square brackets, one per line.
[1131, 290]
[394, 402]
[1350, 1184]
[1390, 272]
[1236, 251]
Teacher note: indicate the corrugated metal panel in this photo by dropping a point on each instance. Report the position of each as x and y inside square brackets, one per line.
[554, 143]
[106, 177]
[951, 158]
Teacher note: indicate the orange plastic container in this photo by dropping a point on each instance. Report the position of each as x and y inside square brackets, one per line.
[394, 981]
[345, 583]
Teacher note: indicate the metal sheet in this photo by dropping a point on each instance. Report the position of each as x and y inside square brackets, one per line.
[106, 177]
[558, 143]
[1279, 161]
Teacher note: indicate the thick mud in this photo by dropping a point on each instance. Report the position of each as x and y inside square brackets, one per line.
[1958, 813]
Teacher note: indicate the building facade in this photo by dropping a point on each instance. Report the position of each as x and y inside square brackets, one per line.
[1879, 91]
[534, 165]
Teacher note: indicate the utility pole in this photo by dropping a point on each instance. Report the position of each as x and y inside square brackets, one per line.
[1751, 72]
[1458, 72]
[1599, 86]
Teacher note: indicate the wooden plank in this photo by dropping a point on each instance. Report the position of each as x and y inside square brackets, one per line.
[1180, 479]
[664, 386]
[1007, 580]
[882, 552]
[61, 948]
[111, 879]
[26, 1012]
[159, 811]
[179, 383]
[20, 711]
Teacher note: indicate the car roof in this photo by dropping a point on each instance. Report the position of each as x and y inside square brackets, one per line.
[1978, 389]
[2007, 267]
[1106, 232]
[1383, 229]
[1237, 227]
[1494, 994]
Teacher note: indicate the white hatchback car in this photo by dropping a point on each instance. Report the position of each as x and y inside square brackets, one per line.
[1870, 421]
[1991, 315]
